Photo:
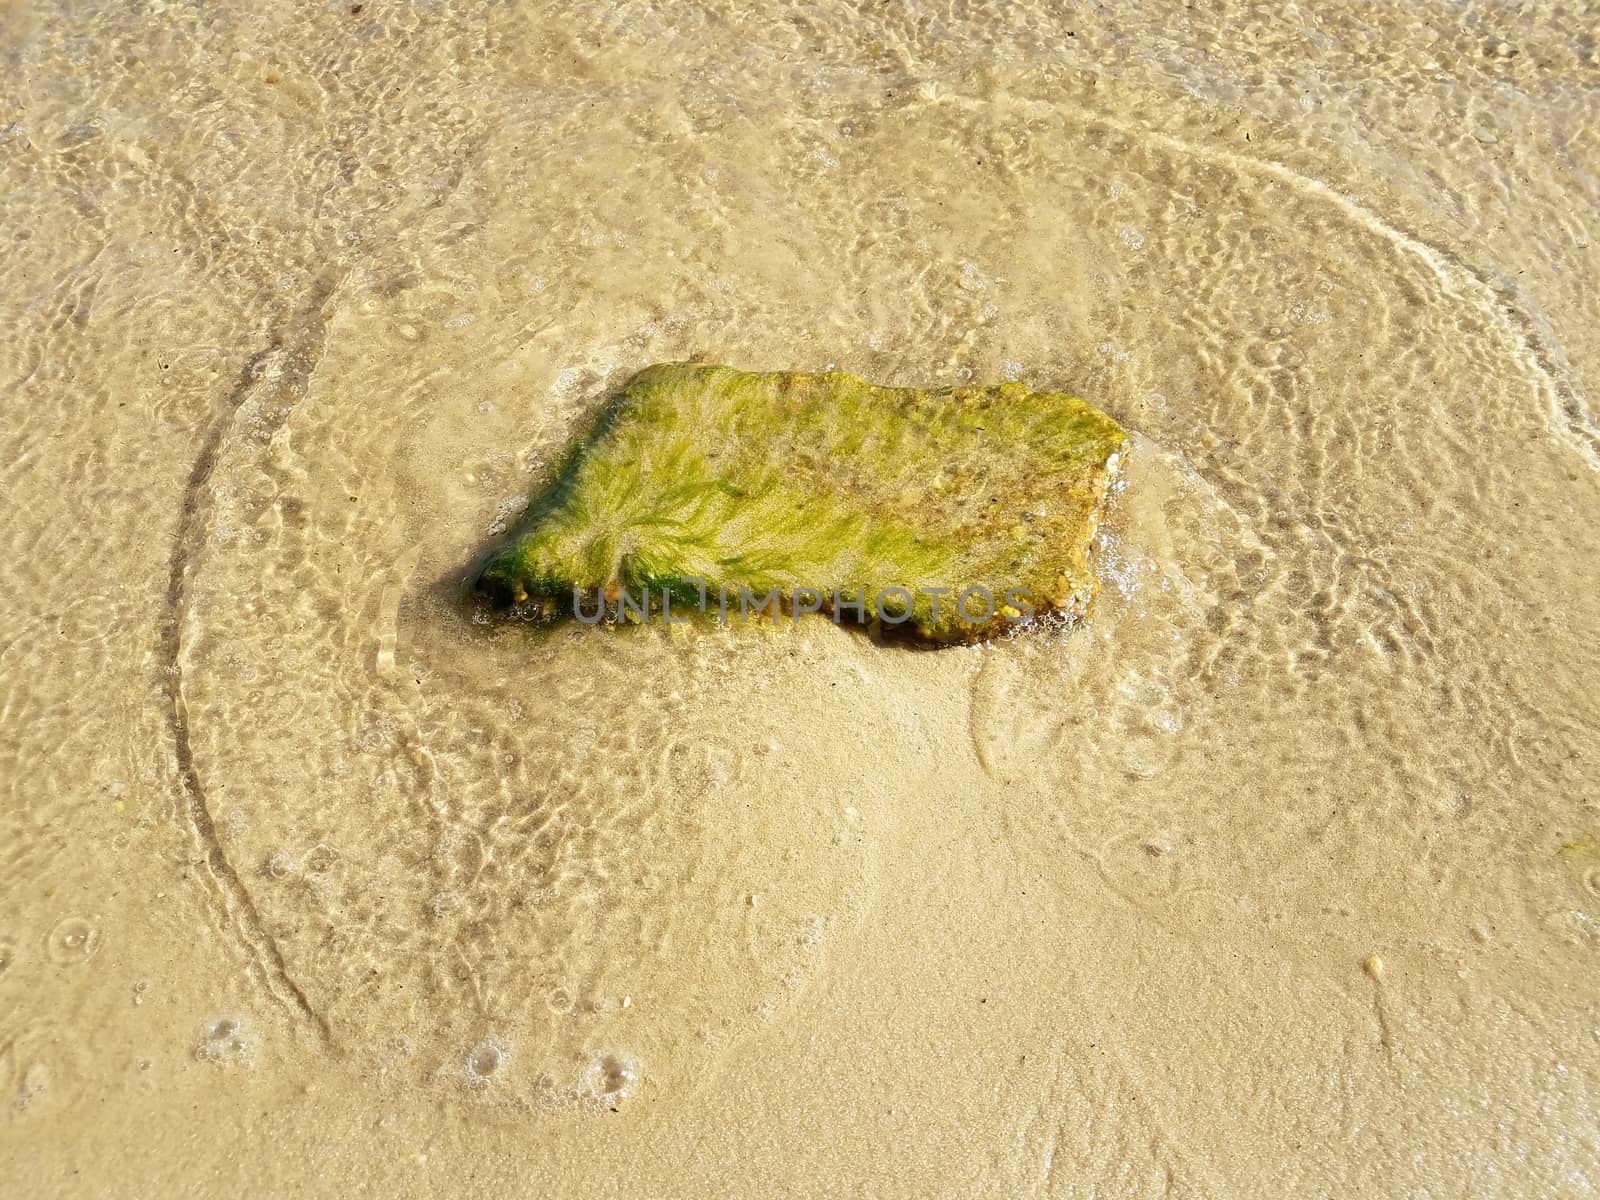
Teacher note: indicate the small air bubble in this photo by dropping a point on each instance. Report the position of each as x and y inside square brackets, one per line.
[226, 1041]
[485, 1060]
[73, 940]
[610, 1078]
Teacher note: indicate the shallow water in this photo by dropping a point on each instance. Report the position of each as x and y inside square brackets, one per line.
[1252, 883]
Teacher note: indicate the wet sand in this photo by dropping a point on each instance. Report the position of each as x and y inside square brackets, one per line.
[1278, 875]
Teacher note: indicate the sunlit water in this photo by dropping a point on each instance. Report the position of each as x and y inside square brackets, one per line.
[300, 304]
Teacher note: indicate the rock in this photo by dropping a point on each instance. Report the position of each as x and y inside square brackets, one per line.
[948, 516]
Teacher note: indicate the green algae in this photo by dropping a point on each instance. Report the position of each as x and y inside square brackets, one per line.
[1584, 851]
[705, 481]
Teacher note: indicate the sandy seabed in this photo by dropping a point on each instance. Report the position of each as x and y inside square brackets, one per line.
[1278, 876]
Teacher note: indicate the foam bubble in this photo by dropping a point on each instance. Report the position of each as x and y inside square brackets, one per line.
[226, 1040]
[281, 865]
[609, 1078]
[73, 940]
[485, 1061]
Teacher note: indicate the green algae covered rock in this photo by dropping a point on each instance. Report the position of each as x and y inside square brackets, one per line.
[948, 516]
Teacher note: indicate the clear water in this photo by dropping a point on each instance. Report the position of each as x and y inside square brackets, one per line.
[301, 300]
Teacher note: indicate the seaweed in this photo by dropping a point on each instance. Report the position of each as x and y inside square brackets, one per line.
[829, 493]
